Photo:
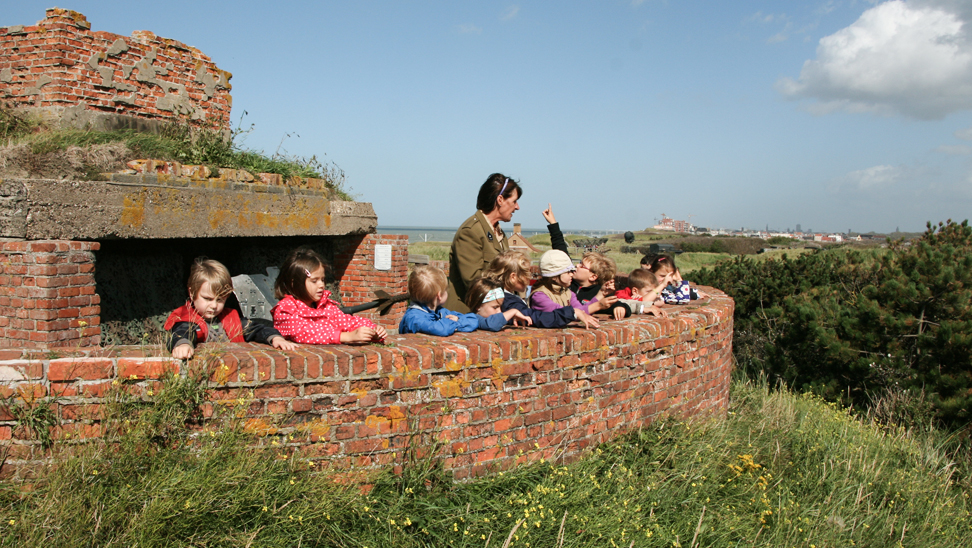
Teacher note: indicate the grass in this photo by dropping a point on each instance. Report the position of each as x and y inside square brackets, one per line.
[687, 262]
[38, 151]
[780, 470]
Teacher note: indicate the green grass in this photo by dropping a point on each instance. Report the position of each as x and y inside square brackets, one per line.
[437, 251]
[209, 146]
[779, 470]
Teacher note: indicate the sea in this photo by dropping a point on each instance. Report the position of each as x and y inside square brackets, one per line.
[445, 234]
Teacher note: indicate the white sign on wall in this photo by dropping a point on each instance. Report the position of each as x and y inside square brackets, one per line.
[383, 257]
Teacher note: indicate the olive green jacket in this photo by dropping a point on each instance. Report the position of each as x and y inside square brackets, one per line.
[473, 247]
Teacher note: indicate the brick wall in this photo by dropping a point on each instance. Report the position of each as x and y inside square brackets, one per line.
[59, 63]
[47, 294]
[354, 269]
[492, 400]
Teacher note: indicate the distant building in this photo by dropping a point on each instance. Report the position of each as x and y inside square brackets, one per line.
[518, 242]
[667, 223]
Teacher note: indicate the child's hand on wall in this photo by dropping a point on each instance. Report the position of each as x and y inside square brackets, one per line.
[588, 320]
[361, 335]
[183, 352]
[380, 334]
[619, 313]
[281, 343]
[656, 311]
[518, 317]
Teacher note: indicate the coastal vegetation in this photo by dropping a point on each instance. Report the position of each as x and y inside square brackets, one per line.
[781, 469]
[31, 148]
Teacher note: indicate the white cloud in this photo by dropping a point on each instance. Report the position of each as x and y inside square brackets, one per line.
[955, 150]
[871, 178]
[781, 36]
[510, 12]
[760, 17]
[911, 58]
[468, 29]
[964, 134]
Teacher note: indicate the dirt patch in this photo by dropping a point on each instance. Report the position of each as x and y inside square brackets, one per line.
[74, 163]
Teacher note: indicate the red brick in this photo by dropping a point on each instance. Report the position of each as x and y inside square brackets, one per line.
[65, 369]
[147, 368]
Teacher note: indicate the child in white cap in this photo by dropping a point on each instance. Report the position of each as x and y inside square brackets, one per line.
[552, 291]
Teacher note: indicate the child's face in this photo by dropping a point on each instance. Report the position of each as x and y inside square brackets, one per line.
[492, 307]
[665, 274]
[206, 303]
[440, 299]
[639, 294]
[564, 279]
[583, 274]
[314, 284]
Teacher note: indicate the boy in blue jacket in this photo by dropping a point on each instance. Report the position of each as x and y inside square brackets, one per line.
[427, 287]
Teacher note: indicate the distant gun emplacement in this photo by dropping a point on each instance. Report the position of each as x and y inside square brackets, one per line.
[590, 244]
[653, 249]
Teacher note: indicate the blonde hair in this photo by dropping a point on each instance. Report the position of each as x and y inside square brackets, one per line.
[507, 263]
[641, 278]
[478, 290]
[207, 270]
[601, 266]
[425, 283]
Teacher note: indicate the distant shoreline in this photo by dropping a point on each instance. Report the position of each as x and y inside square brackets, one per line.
[445, 234]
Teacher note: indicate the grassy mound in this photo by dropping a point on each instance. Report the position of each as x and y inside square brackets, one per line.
[31, 149]
[780, 470]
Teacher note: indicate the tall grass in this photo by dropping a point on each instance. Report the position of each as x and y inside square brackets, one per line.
[779, 470]
[208, 145]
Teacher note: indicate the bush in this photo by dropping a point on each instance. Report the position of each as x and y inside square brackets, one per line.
[854, 326]
[781, 240]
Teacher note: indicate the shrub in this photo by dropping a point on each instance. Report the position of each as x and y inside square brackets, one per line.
[853, 326]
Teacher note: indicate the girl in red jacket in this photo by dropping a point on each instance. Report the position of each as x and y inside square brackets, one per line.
[306, 314]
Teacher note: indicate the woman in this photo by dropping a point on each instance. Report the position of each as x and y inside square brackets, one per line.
[480, 238]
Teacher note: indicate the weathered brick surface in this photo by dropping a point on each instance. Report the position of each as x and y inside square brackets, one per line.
[354, 267]
[492, 400]
[61, 63]
[47, 294]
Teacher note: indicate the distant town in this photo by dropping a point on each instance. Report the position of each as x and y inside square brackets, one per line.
[665, 223]
[685, 227]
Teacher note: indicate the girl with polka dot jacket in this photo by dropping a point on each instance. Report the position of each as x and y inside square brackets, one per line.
[306, 314]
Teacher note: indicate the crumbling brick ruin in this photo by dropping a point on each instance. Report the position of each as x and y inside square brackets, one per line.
[61, 69]
[83, 263]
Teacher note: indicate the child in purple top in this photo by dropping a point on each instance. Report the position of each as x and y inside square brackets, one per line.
[552, 291]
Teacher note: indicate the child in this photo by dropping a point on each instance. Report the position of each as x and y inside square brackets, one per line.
[553, 289]
[306, 314]
[643, 288]
[512, 269]
[485, 297]
[677, 291]
[594, 281]
[205, 317]
[427, 287]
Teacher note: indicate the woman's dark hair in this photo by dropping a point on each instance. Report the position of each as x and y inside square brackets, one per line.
[294, 271]
[495, 185]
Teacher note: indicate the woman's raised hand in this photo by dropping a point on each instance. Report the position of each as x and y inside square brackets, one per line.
[548, 215]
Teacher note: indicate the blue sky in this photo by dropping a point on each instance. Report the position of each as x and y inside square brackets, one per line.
[832, 114]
